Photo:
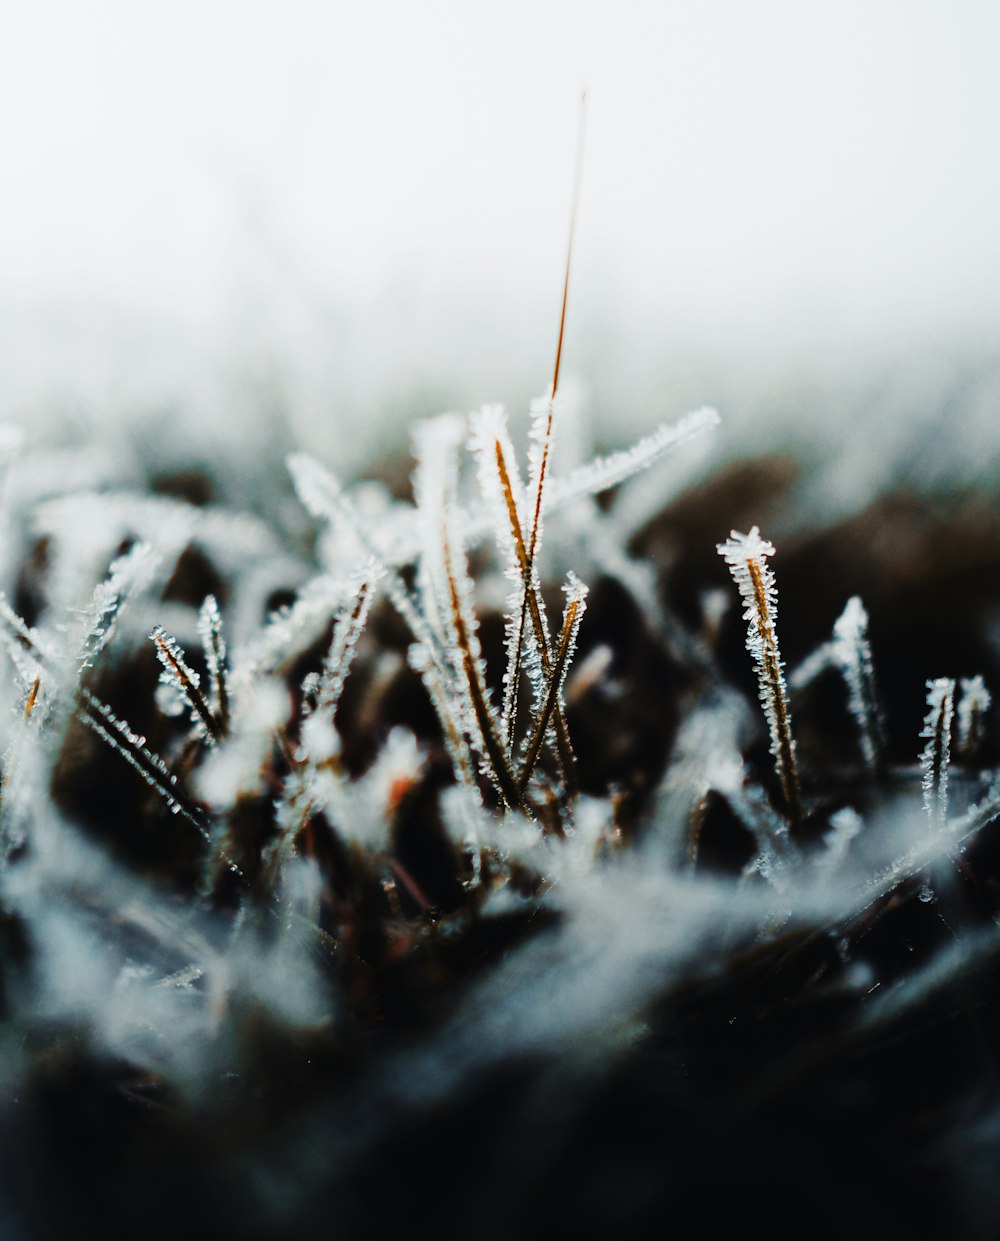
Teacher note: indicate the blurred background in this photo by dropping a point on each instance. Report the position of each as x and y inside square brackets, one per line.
[336, 217]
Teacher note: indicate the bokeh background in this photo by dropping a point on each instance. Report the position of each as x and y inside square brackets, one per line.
[339, 216]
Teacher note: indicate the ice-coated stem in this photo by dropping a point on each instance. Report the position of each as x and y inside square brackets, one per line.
[746, 555]
[851, 652]
[935, 758]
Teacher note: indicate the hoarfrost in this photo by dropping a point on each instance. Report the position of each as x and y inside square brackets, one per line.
[606, 472]
[747, 556]
[935, 758]
[973, 704]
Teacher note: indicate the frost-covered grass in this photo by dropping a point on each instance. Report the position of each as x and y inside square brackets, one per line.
[443, 852]
[323, 838]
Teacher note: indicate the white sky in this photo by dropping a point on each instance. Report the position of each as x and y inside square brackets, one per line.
[752, 168]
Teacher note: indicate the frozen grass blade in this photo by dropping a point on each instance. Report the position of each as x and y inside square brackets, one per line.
[603, 473]
[183, 679]
[132, 747]
[455, 740]
[542, 423]
[126, 575]
[99, 717]
[935, 759]
[447, 593]
[542, 426]
[317, 760]
[501, 487]
[472, 673]
[322, 495]
[851, 652]
[347, 632]
[577, 178]
[746, 555]
[24, 645]
[214, 647]
[576, 603]
[973, 704]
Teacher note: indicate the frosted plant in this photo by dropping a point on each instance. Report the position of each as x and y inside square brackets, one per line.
[214, 647]
[186, 684]
[747, 555]
[304, 909]
[550, 692]
[935, 758]
[347, 631]
[543, 414]
[973, 704]
[500, 483]
[329, 909]
[446, 592]
[288, 630]
[603, 473]
[127, 575]
[315, 780]
[442, 615]
[132, 748]
[851, 653]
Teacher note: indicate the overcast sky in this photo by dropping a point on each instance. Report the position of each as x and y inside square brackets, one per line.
[753, 171]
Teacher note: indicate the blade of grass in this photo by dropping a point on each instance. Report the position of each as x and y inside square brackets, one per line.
[566, 755]
[529, 597]
[494, 751]
[180, 675]
[572, 616]
[210, 629]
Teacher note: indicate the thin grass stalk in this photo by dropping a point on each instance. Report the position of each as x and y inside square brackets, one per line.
[566, 756]
[557, 676]
[529, 599]
[775, 685]
[746, 555]
[210, 626]
[494, 751]
[936, 756]
[170, 657]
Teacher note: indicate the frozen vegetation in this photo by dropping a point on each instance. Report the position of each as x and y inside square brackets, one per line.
[359, 813]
